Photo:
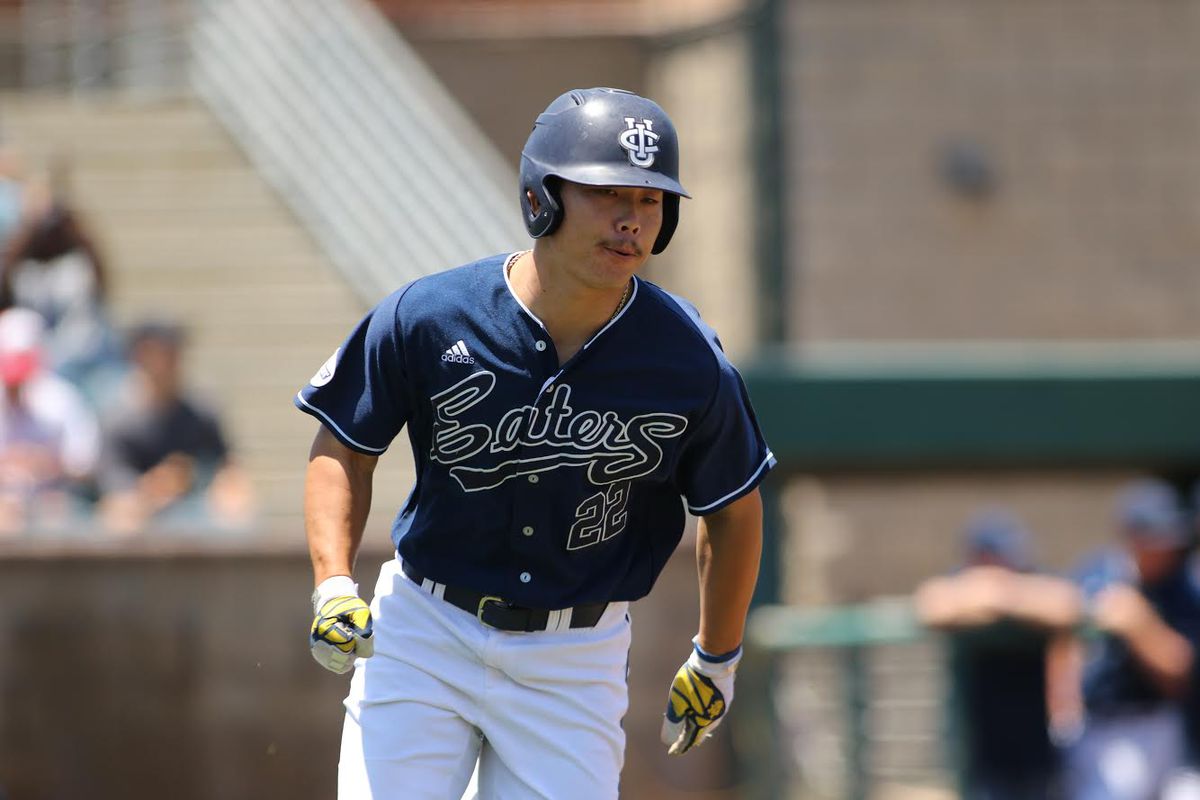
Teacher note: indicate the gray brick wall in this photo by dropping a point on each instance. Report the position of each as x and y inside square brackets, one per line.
[1088, 111]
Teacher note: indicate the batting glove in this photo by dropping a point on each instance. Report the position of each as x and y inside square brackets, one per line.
[342, 630]
[700, 696]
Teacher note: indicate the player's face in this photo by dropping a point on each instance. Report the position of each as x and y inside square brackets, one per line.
[608, 231]
[1155, 563]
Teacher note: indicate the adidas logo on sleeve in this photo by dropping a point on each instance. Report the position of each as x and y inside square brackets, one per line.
[458, 354]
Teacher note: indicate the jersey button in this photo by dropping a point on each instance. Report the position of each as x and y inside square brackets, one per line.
[528, 531]
[539, 345]
[533, 479]
[526, 577]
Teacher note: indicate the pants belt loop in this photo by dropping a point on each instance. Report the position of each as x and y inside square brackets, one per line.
[564, 621]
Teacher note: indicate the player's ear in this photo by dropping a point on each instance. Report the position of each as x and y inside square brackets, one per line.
[535, 206]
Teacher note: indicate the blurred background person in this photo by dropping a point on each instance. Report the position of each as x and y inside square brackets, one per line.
[52, 265]
[1145, 603]
[49, 439]
[165, 455]
[1004, 622]
[12, 193]
[1185, 785]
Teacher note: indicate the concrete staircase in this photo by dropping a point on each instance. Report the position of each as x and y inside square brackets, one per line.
[192, 233]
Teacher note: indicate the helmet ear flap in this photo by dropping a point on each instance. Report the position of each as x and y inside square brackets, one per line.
[549, 213]
[669, 222]
[552, 190]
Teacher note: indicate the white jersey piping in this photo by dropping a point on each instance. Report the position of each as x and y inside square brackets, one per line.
[334, 425]
[765, 462]
[504, 271]
[512, 260]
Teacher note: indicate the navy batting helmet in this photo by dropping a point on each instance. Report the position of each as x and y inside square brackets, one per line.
[600, 137]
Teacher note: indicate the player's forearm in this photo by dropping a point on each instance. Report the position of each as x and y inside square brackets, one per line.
[728, 548]
[337, 499]
[1064, 685]
[1164, 655]
[1045, 601]
[983, 595]
[941, 603]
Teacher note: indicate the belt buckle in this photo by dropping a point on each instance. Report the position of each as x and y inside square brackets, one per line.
[483, 603]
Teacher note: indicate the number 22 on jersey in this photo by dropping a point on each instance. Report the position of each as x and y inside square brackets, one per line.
[600, 517]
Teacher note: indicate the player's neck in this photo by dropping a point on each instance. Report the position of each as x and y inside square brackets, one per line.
[571, 311]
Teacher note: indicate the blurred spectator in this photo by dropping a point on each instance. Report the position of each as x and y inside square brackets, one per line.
[1004, 621]
[51, 265]
[1146, 605]
[49, 440]
[165, 457]
[11, 193]
[1187, 783]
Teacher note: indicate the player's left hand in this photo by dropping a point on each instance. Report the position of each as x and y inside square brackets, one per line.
[342, 629]
[700, 696]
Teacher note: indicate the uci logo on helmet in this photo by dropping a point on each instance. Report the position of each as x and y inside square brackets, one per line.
[639, 141]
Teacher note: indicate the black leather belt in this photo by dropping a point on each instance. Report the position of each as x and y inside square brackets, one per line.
[502, 615]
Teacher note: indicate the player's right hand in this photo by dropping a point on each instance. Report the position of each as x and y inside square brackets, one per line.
[342, 629]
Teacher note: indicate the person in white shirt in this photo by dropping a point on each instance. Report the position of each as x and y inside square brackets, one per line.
[49, 437]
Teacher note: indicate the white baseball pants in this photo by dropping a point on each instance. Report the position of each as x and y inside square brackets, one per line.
[1126, 757]
[540, 712]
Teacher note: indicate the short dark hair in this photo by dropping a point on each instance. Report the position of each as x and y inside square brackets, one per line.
[165, 331]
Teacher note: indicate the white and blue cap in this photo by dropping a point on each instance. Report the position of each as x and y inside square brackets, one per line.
[1150, 514]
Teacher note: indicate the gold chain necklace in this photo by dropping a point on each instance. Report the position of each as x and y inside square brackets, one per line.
[512, 262]
[624, 298]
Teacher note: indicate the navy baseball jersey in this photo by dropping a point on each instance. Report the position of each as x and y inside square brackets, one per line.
[1112, 680]
[546, 486]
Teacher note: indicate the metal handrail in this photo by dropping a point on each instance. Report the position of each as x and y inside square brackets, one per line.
[359, 138]
[132, 47]
[849, 631]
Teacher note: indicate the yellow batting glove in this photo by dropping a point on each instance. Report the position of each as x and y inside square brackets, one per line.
[700, 696]
[342, 629]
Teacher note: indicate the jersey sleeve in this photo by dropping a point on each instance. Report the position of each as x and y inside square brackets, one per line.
[359, 393]
[725, 456]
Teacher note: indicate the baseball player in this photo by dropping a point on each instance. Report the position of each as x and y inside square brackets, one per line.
[562, 412]
[1145, 600]
[1008, 630]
